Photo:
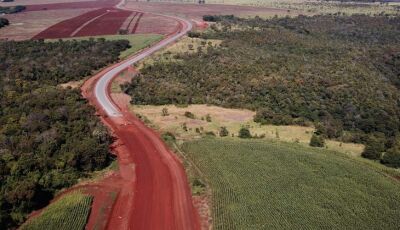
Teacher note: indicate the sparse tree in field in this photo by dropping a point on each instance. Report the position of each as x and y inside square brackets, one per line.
[189, 115]
[164, 112]
[223, 131]
[317, 141]
[208, 118]
[184, 127]
[244, 133]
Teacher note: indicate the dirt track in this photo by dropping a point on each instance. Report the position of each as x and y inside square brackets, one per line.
[155, 193]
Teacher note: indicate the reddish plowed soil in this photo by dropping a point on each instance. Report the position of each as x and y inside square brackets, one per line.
[72, 5]
[109, 23]
[154, 24]
[66, 28]
[25, 25]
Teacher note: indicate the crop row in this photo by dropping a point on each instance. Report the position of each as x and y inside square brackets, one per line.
[258, 185]
[104, 21]
[69, 212]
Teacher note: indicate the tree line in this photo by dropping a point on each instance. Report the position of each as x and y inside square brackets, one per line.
[49, 135]
[339, 73]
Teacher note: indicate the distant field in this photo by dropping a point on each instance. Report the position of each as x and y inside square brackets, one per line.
[137, 41]
[69, 212]
[312, 6]
[266, 185]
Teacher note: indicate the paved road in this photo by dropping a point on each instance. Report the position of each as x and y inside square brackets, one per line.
[102, 85]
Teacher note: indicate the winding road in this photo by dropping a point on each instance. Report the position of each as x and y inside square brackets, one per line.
[155, 193]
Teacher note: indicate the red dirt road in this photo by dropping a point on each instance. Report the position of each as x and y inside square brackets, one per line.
[155, 193]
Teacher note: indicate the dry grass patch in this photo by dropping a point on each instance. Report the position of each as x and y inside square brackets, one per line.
[185, 45]
[233, 120]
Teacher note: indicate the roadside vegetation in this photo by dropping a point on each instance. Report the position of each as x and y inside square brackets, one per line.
[4, 22]
[265, 185]
[11, 9]
[49, 135]
[339, 73]
[69, 212]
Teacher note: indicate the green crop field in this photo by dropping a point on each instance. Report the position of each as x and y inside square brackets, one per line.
[69, 212]
[266, 185]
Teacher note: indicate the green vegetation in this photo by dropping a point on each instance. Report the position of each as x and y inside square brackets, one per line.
[317, 141]
[11, 9]
[340, 72]
[265, 185]
[244, 133]
[4, 22]
[49, 135]
[136, 41]
[69, 212]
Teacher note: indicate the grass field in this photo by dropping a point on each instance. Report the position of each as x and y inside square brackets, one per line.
[137, 41]
[258, 184]
[69, 212]
[233, 120]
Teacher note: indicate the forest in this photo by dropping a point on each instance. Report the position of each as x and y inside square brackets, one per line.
[49, 135]
[339, 73]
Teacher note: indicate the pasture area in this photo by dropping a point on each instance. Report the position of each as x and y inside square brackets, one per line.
[258, 184]
[233, 120]
[69, 212]
[308, 7]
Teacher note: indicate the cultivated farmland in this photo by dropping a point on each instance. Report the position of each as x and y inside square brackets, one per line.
[267, 185]
[69, 212]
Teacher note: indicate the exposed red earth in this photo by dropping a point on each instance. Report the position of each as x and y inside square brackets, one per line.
[67, 27]
[72, 5]
[109, 21]
[155, 184]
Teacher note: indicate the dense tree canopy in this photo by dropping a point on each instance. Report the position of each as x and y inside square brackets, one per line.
[342, 72]
[49, 136]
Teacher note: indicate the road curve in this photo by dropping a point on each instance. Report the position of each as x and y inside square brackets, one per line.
[155, 194]
[102, 84]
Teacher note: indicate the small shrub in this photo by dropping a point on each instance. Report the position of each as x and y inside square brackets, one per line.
[198, 130]
[184, 127]
[223, 131]
[317, 141]
[189, 115]
[164, 112]
[244, 133]
[168, 136]
[208, 118]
